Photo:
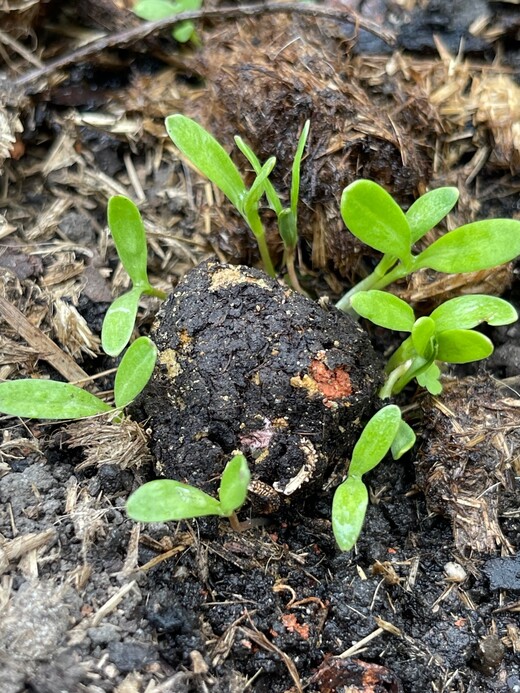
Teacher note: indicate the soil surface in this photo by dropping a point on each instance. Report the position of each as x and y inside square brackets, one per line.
[429, 599]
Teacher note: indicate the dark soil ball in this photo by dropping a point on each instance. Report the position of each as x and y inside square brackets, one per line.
[247, 364]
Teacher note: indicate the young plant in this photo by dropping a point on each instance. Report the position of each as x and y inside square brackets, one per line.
[374, 217]
[287, 216]
[163, 500]
[445, 335]
[126, 227]
[50, 399]
[153, 10]
[383, 432]
[203, 150]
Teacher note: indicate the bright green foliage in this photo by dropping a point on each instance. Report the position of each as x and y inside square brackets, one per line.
[165, 499]
[429, 209]
[153, 10]
[126, 227]
[134, 371]
[445, 335]
[203, 150]
[384, 431]
[48, 399]
[375, 218]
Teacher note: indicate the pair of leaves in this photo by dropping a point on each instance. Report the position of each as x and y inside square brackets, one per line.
[383, 432]
[374, 217]
[208, 155]
[153, 10]
[165, 499]
[50, 399]
[127, 229]
[446, 335]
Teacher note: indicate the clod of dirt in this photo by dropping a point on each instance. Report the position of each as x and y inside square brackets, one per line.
[503, 573]
[246, 363]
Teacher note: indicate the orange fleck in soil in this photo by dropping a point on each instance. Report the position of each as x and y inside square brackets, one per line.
[334, 384]
[293, 626]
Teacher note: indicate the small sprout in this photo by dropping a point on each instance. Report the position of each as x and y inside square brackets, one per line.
[445, 335]
[153, 10]
[127, 229]
[163, 500]
[50, 399]
[374, 217]
[384, 431]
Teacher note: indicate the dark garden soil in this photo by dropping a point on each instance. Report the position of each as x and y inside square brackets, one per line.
[414, 95]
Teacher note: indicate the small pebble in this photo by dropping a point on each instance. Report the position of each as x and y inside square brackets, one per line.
[455, 572]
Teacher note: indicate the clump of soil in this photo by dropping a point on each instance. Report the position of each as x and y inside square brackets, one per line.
[246, 363]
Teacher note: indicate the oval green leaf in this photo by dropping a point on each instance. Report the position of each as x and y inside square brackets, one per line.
[233, 486]
[134, 371]
[422, 334]
[384, 309]
[429, 209]
[463, 346]
[163, 500]
[404, 440]
[374, 217]
[48, 399]
[430, 379]
[349, 507]
[126, 227]
[203, 150]
[375, 440]
[119, 322]
[474, 247]
[468, 311]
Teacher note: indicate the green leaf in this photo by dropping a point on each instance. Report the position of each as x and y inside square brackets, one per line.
[163, 500]
[203, 150]
[374, 217]
[287, 229]
[465, 312]
[134, 371]
[404, 440]
[430, 379]
[429, 209]
[119, 322]
[234, 483]
[349, 507]
[463, 346]
[375, 440]
[384, 309]
[271, 194]
[48, 399]
[473, 247]
[126, 227]
[295, 179]
[152, 10]
[183, 31]
[422, 333]
[256, 191]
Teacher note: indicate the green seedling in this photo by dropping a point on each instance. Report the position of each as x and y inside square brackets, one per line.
[203, 150]
[287, 216]
[127, 229]
[153, 10]
[374, 217]
[50, 399]
[385, 431]
[446, 335]
[163, 500]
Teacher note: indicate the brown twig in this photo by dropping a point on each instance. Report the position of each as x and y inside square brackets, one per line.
[43, 345]
[29, 79]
